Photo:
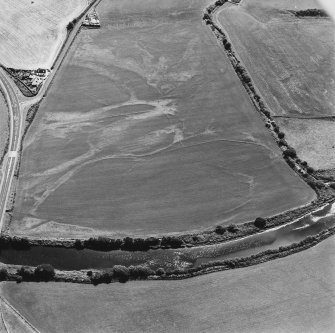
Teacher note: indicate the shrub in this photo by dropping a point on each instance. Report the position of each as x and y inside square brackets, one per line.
[20, 243]
[260, 223]
[304, 163]
[290, 152]
[3, 274]
[172, 241]
[282, 143]
[27, 273]
[96, 278]
[220, 230]
[152, 241]
[89, 273]
[44, 272]
[227, 46]
[310, 170]
[160, 271]
[70, 26]
[140, 272]
[128, 244]
[103, 244]
[281, 135]
[78, 244]
[232, 228]
[267, 113]
[206, 17]
[121, 273]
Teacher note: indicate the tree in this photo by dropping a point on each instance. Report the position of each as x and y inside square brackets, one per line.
[227, 46]
[310, 170]
[70, 26]
[281, 135]
[26, 272]
[140, 272]
[3, 274]
[160, 271]
[290, 152]
[78, 244]
[232, 228]
[121, 273]
[44, 272]
[260, 223]
[220, 230]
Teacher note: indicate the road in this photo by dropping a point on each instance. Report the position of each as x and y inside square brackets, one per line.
[10, 160]
[16, 113]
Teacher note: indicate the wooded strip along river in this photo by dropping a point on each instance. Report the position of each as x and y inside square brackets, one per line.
[72, 259]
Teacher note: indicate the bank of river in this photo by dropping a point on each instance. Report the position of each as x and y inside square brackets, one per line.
[72, 259]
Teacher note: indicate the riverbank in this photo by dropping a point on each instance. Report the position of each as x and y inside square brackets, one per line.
[123, 274]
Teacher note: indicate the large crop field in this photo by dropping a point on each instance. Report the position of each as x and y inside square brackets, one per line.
[292, 62]
[31, 32]
[294, 294]
[148, 130]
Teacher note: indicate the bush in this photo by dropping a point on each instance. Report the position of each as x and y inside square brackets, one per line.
[27, 273]
[20, 243]
[89, 273]
[220, 230]
[232, 228]
[103, 244]
[140, 272]
[3, 274]
[310, 170]
[78, 244]
[282, 143]
[160, 271]
[227, 46]
[171, 241]
[121, 273]
[281, 135]
[70, 26]
[290, 152]
[44, 272]
[267, 113]
[260, 223]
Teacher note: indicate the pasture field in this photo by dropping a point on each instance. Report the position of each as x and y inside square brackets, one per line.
[147, 130]
[31, 32]
[292, 62]
[318, 147]
[293, 294]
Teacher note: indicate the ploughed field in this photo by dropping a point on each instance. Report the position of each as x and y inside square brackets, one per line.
[147, 130]
[291, 61]
[292, 294]
[31, 32]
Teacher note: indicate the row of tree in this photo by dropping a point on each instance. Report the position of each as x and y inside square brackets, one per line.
[311, 12]
[129, 244]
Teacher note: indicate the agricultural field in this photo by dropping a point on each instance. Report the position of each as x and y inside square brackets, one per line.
[293, 294]
[292, 62]
[31, 32]
[147, 130]
[318, 147]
